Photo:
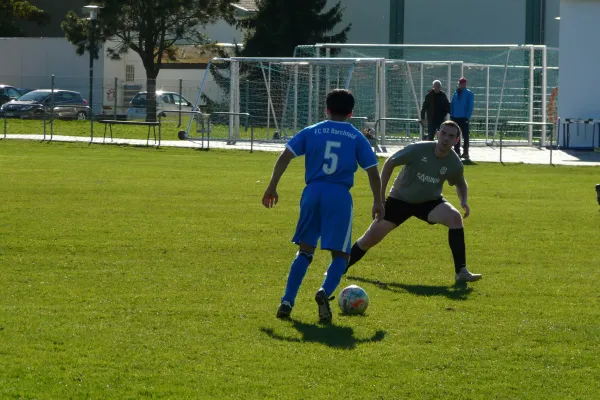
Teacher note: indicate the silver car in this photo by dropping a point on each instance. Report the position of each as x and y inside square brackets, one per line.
[165, 101]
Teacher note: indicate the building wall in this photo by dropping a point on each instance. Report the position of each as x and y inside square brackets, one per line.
[551, 26]
[579, 58]
[33, 61]
[464, 22]
[370, 20]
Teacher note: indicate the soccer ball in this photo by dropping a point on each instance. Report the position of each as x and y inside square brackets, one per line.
[353, 300]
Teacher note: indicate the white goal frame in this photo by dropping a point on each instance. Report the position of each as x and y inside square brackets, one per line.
[315, 111]
[361, 49]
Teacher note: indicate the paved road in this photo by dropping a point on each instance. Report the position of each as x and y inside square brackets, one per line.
[527, 155]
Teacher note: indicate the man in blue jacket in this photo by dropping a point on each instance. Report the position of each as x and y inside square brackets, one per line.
[461, 109]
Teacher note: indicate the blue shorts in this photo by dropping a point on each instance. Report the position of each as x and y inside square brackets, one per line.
[326, 213]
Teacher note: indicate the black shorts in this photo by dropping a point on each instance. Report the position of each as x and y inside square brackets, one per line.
[398, 211]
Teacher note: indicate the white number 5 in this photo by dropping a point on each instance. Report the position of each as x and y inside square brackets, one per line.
[332, 157]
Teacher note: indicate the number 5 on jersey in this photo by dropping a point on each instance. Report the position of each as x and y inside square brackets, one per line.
[331, 156]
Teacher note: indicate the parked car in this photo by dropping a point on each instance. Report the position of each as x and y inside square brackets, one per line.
[67, 105]
[165, 101]
[8, 93]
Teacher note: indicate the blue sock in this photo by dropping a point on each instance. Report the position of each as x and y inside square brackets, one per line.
[334, 275]
[296, 275]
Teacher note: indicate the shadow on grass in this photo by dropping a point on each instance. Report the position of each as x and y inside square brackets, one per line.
[337, 337]
[458, 291]
[469, 162]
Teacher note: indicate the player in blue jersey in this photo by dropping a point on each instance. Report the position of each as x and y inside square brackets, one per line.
[333, 149]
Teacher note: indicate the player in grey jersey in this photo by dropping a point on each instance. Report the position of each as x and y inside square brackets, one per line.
[417, 192]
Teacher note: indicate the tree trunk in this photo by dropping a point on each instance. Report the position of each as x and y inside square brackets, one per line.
[151, 75]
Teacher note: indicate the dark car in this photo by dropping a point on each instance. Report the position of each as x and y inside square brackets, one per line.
[64, 104]
[8, 93]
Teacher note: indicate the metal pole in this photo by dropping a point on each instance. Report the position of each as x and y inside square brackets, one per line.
[51, 108]
[421, 129]
[551, 140]
[295, 99]
[251, 136]
[5, 126]
[270, 100]
[327, 73]
[92, 48]
[422, 81]
[501, 95]
[116, 95]
[232, 85]
[449, 78]
[310, 93]
[268, 103]
[500, 134]
[381, 108]
[487, 105]
[317, 85]
[544, 92]
[531, 93]
[199, 96]
[180, 99]
[247, 100]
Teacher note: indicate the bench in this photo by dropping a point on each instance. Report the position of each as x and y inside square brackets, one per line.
[151, 125]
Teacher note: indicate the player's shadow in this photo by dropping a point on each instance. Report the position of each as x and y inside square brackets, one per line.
[338, 337]
[458, 291]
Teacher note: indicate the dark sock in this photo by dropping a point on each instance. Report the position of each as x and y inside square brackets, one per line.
[355, 255]
[456, 239]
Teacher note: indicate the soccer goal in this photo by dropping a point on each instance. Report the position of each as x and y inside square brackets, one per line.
[510, 82]
[279, 96]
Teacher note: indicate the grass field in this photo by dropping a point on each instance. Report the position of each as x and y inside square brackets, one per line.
[133, 273]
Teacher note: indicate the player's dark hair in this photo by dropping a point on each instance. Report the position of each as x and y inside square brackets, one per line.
[453, 124]
[340, 103]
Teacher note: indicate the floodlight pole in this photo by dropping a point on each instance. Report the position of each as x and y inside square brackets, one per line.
[93, 10]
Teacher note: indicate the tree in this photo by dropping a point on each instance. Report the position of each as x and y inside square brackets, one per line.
[148, 27]
[281, 25]
[12, 12]
[274, 31]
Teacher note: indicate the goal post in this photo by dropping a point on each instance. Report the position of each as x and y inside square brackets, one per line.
[287, 92]
[532, 73]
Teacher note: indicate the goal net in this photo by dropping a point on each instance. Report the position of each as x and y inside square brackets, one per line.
[277, 97]
[511, 83]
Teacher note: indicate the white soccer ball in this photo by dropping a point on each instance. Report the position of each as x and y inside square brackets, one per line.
[353, 300]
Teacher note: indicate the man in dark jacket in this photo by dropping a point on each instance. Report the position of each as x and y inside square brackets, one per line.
[437, 106]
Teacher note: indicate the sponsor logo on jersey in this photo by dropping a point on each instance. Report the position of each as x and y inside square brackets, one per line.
[443, 171]
[427, 179]
[424, 159]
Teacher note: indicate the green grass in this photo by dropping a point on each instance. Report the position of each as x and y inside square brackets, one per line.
[133, 273]
[170, 128]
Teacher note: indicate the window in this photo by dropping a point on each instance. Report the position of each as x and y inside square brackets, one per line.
[167, 99]
[130, 73]
[67, 98]
[13, 93]
[180, 100]
[139, 100]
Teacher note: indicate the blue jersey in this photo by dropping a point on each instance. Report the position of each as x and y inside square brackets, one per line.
[333, 150]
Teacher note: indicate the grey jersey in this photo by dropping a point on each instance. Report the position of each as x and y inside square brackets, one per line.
[424, 174]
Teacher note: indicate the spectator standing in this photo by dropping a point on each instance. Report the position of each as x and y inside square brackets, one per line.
[461, 110]
[436, 106]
